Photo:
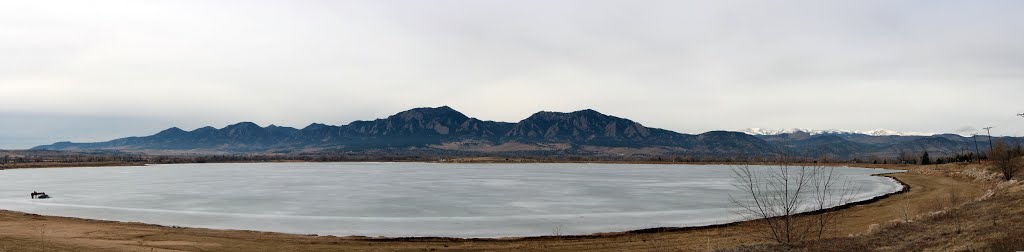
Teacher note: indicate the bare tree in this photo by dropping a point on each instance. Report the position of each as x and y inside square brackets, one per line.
[775, 195]
[830, 191]
[1005, 160]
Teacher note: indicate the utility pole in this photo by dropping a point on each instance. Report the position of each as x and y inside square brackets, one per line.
[989, 130]
[977, 152]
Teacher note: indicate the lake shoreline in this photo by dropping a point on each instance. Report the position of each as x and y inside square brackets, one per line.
[532, 193]
[28, 224]
[905, 188]
[37, 165]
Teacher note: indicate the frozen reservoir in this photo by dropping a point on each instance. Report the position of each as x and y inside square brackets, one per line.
[397, 199]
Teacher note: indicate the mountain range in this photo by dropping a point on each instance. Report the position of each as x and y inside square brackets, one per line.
[584, 132]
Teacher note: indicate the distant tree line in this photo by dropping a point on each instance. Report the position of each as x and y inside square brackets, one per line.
[13, 158]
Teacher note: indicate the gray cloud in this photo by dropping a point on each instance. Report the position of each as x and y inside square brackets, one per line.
[967, 130]
[689, 66]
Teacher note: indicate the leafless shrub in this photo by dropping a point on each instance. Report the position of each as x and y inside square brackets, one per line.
[709, 244]
[775, 195]
[954, 211]
[829, 191]
[994, 214]
[904, 211]
[41, 229]
[141, 242]
[954, 198]
[557, 230]
[1006, 160]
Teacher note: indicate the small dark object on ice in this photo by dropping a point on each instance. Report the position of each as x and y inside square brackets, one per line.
[40, 195]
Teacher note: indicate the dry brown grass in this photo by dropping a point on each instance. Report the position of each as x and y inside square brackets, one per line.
[989, 225]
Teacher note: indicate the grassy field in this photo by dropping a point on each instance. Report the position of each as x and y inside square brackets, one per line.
[949, 207]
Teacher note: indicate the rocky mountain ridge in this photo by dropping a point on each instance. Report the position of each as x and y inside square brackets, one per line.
[584, 132]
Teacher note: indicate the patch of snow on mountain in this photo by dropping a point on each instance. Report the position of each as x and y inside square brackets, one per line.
[876, 132]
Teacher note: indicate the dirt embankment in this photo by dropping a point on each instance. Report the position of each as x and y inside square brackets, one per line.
[27, 232]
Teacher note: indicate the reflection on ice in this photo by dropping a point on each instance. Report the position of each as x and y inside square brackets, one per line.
[395, 199]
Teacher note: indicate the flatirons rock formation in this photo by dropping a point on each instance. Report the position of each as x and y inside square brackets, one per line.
[584, 132]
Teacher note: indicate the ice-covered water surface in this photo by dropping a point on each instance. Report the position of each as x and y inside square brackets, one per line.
[396, 199]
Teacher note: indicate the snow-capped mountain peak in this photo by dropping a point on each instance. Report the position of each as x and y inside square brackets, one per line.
[876, 132]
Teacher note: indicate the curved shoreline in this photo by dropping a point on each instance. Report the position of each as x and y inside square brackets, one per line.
[905, 188]
[23, 230]
[680, 220]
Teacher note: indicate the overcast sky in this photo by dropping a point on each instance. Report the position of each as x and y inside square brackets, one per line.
[97, 70]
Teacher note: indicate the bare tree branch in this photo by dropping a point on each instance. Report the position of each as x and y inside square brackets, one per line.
[775, 195]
